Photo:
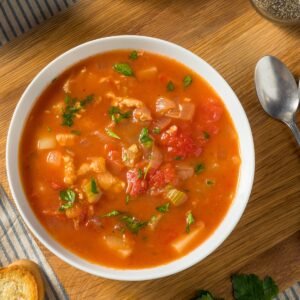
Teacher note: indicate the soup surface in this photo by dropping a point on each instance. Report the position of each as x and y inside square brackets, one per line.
[129, 159]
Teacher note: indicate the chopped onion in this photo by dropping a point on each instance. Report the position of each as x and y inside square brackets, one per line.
[48, 142]
[184, 171]
[164, 105]
[54, 158]
[162, 123]
[156, 158]
[141, 114]
[103, 137]
[187, 111]
[176, 197]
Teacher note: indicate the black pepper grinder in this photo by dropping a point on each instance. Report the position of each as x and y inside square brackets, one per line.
[282, 11]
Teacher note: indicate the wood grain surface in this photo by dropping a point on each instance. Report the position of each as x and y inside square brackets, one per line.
[231, 37]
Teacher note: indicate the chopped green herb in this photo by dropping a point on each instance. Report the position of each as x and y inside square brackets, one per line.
[199, 168]
[76, 132]
[86, 100]
[133, 55]
[124, 69]
[49, 129]
[127, 199]
[112, 213]
[140, 173]
[112, 134]
[206, 135]
[145, 138]
[72, 107]
[178, 158]
[189, 221]
[68, 197]
[94, 188]
[156, 130]
[203, 295]
[251, 287]
[210, 182]
[133, 224]
[116, 114]
[170, 86]
[187, 80]
[163, 208]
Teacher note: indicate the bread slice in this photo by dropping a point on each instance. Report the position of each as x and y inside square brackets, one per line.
[21, 280]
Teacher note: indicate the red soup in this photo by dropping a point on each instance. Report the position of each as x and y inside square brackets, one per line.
[129, 159]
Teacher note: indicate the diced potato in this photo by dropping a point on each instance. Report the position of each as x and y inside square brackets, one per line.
[54, 158]
[108, 182]
[74, 212]
[147, 74]
[184, 241]
[96, 165]
[69, 170]
[119, 244]
[131, 155]
[46, 142]
[90, 195]
[65, 139]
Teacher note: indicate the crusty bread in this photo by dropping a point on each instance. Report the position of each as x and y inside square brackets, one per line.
[21, 280]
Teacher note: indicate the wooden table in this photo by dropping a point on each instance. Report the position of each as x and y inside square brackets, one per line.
[230, 36]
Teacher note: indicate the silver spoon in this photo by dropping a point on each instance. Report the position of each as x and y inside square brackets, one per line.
[277, 91]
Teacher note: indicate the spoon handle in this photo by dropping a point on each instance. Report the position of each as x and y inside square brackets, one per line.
[295, 130]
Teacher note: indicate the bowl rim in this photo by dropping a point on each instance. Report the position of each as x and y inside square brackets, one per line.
[180, 54]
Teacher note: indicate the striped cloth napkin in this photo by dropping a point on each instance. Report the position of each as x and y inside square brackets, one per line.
[16, 243]
[19, 16]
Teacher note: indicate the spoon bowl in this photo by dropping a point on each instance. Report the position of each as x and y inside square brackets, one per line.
[277, 91]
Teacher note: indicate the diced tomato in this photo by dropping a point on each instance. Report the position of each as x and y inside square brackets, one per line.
[135, 185]
[161, 177]
[212, 112]
[180, 144]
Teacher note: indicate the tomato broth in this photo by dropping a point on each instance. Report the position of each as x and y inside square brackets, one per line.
[129, 159]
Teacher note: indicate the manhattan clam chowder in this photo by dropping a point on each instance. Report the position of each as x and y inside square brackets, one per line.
[129, 159]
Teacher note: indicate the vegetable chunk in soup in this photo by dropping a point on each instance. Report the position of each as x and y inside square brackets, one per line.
[129, 159]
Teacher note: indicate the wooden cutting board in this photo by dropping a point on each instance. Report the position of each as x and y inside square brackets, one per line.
[231, 37]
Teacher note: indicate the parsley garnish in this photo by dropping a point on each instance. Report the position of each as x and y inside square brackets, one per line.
[133, 224]
[163, 208]
[251, 287]
[156, 130]
[178, 158]
[203, 295]
[127, 199]
[170, 86]
[199, 168]
[112, 213]
[187, 80]
[76, 132]
[68, 197]
[72, 108]
[124, 69]
[116, 114]
[210, 182]
[206, 135]
[112, 134]
[133, 55]
[94, 188]
[140, 173]
[189, 221]
[145, 138]
[86, 100]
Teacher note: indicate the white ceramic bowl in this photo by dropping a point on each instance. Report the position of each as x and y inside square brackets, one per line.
[56, 67]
